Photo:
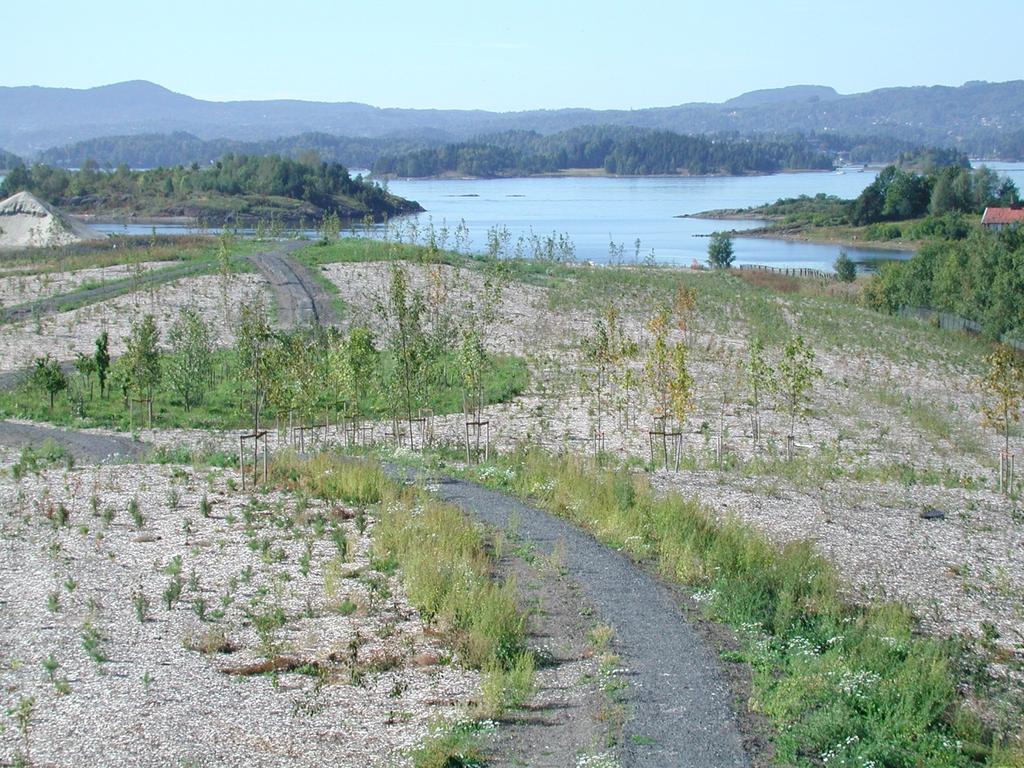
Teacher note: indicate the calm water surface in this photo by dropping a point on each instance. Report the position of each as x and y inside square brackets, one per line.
[595, 212]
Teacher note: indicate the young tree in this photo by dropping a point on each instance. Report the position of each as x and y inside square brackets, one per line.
[353, 367]
[190, 364]
[48, 376]
[761, 380]
[254, 359]
[1003, 384]
[143, 359]
[669, 379]
[680, 385]
[102, 358]
[685, 306]
[599, 359]
[797, 374]
[86, 367]
[472, 367]
[846, 270]
[720, 253]
[119, 378]
[657, 367]
[402, 310]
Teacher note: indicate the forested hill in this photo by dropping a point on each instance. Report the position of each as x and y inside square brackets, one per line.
[982, 119]
[624, 151]
[151, 150]
[238, 189]
[8, 160]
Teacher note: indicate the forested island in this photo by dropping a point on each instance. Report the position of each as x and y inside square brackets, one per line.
[620, 151]
[238, 189]
[900, 206]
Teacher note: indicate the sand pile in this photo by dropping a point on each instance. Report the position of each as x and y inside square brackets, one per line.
[27, 222]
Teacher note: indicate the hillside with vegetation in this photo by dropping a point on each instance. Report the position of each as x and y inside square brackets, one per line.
[621, 151]
[510, 151]
[152, 150]
[8, 160]
[239, 189]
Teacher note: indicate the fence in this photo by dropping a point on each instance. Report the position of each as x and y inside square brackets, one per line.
[790, 271]
[950, 322]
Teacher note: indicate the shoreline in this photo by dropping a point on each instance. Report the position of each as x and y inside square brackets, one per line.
[843, 242]
[798, 234]
[597, 173]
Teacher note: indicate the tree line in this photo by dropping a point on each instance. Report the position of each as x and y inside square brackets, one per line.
[942, 197]
[980, 278]
[626, 151]
[152, 150]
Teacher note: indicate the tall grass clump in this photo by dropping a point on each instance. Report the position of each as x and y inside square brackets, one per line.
[447, 574]
[327, 477]
[844, 684]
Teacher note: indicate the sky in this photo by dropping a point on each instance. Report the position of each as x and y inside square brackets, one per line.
[527, 54]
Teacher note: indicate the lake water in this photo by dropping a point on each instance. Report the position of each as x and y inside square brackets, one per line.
[595, 211]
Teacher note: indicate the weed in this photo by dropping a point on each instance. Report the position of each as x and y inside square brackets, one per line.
[133, 512]
[508, 687]
[459, 745]
[92, 643]
[172, 592]
[141, 605]
[211, 641]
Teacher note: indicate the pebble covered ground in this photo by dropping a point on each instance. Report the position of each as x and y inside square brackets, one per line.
[18, 288]
[64, 334]
[259, 577]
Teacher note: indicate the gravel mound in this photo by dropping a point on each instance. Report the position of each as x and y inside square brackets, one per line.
[28, 222]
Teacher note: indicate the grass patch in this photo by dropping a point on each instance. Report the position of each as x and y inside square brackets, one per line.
[844, 684]
[221, 408]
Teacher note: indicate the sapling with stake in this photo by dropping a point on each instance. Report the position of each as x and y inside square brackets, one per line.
[1003, 385]
[761, 381]
[796, 376]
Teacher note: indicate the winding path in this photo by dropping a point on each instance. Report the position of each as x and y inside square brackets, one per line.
[680, 698]
[301, 300]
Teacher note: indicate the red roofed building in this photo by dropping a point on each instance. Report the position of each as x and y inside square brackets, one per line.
[997, 218]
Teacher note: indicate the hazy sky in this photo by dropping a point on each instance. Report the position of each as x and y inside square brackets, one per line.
[511, 55]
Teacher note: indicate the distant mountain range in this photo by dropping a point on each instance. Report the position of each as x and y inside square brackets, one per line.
[980, 118]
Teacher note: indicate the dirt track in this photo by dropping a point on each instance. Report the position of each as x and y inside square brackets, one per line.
[301, 300]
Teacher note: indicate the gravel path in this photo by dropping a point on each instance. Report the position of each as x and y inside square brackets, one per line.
[680, 698]
[100, 293]
[301, 300]
[86, 448]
